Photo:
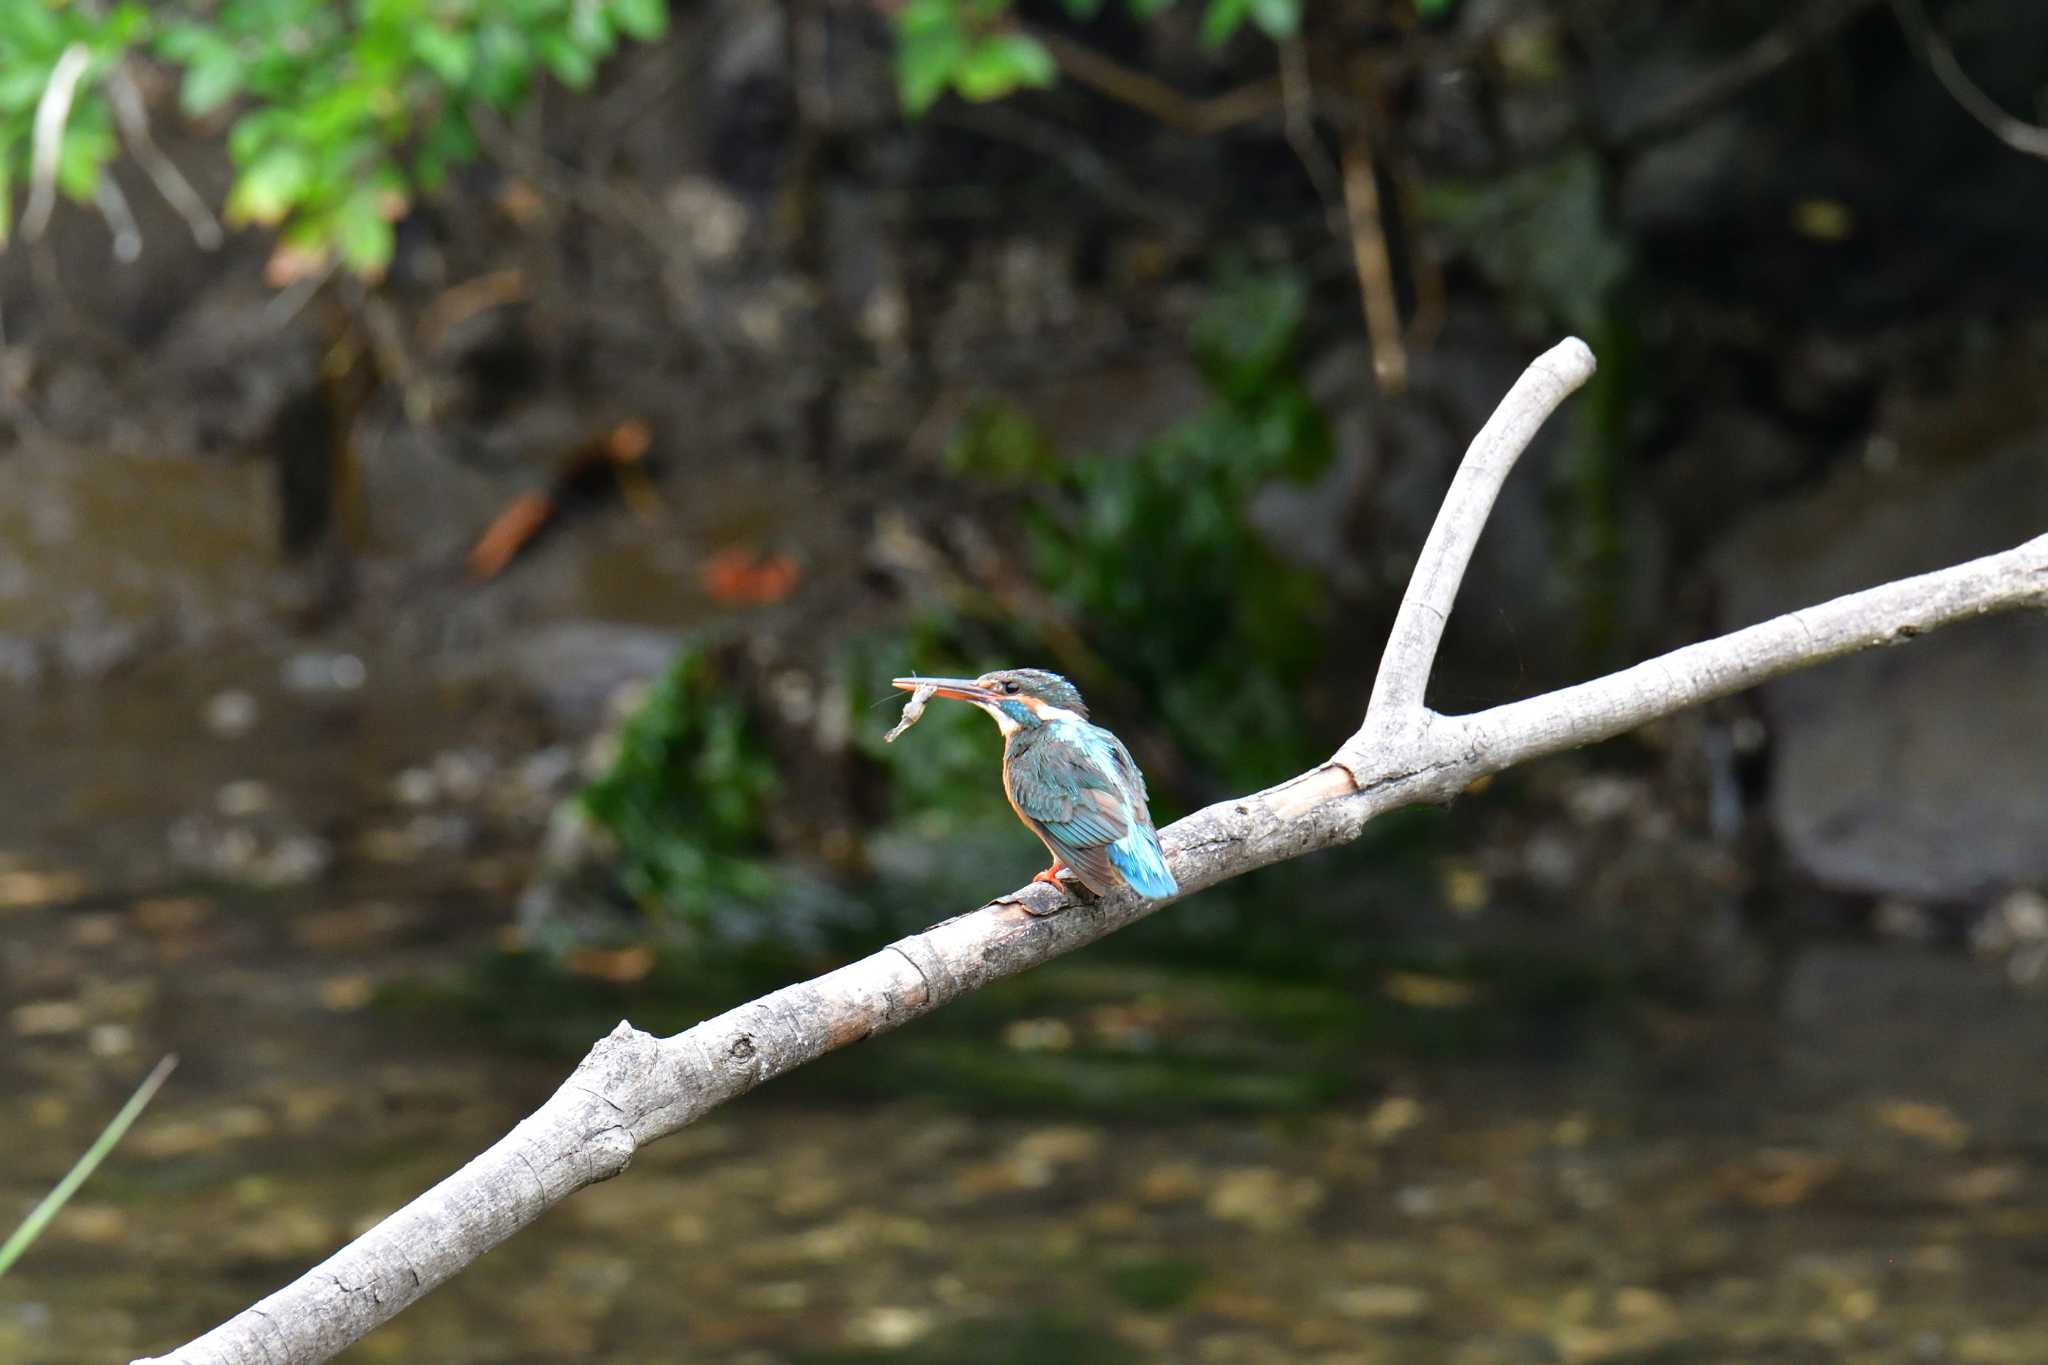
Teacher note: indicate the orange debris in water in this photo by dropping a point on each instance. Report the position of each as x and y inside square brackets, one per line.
[619, 966]
[619, 450]
[508, 534]
[628, 441]
[747, 577]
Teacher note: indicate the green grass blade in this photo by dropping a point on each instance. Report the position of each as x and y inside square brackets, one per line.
[39, 1217]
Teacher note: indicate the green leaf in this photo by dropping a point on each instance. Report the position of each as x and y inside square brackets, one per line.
[1149, 9]
[919, 19]
[1002, 63]
[362, 233]
[926, 59]
[450, 56]
[1277, 19]
[21, 87]
[31, 27]
[504, 63]
[920, 83]
[570, 63]
[1221, 21]
[271, 185]
[1433, 9]
[643, 19]
[87, 148]
[190, 43]
[120, 28]
[381, 43]
[254, 131]
[590, 28]
[336, 114]
[449, 143]
[209, 84]
[1083, 9]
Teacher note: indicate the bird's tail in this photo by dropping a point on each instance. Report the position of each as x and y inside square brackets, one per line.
[1137, 855]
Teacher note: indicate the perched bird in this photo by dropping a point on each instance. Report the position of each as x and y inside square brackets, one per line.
[1073, 783]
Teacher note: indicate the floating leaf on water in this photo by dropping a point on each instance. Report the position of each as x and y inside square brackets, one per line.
[748, 577]
[1424, 991]
[1933, 1124]
[28, 888]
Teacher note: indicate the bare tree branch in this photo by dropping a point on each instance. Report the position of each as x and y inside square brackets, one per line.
[634, 1088]
[1150, 95]
[1419, 625]
[53, 111]
[1887, 615]
[113, 206]
[133, 116]
[2016, 133]
[1373, 264]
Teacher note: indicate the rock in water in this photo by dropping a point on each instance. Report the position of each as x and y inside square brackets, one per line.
[1914, 771]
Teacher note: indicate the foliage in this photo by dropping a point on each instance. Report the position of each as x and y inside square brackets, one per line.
[343, 112]
[687, 796]
[1179, 597]
[963, 45]
[1155, 555]
[33, 36]
[974, 48]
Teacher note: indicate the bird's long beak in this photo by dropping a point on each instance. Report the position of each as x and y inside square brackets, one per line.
[960, 689]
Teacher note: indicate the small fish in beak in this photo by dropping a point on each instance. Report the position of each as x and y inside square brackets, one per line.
[913, 710]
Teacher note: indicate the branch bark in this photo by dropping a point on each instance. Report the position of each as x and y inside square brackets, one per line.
[634, 1088]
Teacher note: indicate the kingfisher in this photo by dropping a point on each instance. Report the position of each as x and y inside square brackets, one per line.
[1073, 783]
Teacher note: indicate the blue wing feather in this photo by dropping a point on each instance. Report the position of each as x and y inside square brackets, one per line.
[1078, 788]
[1138, 856]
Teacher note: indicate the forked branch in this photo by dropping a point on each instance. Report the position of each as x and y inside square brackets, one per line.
[634, 1088]
[1433, 586]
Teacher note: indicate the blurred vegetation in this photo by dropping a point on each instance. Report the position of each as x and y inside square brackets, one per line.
[974, 48]
[1176, 596]
[686, 797]
[341, 113]
[338, 116]
[1161, 597]
[1156, 558]
[1179, 604]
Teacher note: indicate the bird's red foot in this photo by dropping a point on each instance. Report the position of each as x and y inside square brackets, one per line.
[1052, 876]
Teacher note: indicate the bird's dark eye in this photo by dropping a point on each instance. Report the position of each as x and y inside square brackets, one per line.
[1010, 686]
